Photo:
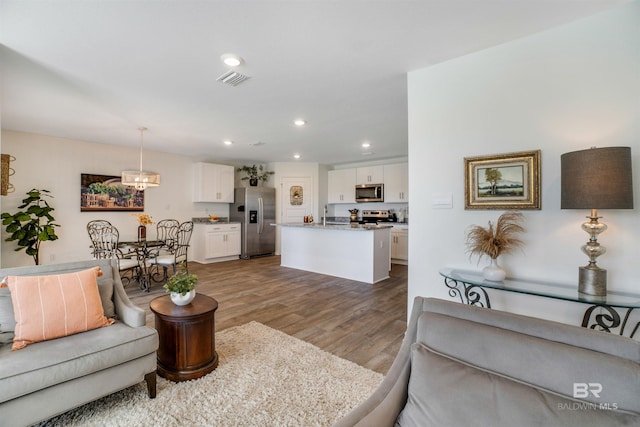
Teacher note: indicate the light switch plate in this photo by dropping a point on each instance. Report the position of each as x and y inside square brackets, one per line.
[442, 200]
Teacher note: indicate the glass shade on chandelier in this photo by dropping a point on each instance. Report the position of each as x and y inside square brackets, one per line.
[597, 178]
[140, 179]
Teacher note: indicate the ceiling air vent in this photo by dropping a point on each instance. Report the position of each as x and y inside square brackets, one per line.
[232, 78]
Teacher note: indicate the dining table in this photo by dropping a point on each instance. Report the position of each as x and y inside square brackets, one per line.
[143, 250]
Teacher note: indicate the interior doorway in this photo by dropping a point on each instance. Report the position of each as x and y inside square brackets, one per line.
[296, 198]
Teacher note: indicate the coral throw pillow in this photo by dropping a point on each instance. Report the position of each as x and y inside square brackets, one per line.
[48, 307]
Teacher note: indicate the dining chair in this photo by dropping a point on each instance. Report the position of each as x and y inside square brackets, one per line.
[179, 255]
[167, 231]
[104, 243]
[93, 228]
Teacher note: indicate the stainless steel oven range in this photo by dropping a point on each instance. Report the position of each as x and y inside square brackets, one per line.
[377, 216]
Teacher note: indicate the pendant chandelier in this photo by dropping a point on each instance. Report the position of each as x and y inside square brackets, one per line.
[140, 179]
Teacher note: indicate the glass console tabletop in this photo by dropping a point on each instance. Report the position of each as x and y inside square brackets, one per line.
[470, 287]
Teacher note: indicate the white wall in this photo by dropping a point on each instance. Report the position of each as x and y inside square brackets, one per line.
[55, 164]
[562, 90]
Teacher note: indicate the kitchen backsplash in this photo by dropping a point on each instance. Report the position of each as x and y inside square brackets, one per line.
[346, 219]
[342, 210]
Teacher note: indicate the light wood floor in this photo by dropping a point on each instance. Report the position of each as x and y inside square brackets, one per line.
[356, 321]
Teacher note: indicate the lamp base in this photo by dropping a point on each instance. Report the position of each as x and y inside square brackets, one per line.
[592, 280]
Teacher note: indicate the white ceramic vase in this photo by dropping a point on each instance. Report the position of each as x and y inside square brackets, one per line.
[179, 299]
[493, 272]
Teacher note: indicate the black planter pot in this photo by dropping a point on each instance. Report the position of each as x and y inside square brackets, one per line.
[253, 182]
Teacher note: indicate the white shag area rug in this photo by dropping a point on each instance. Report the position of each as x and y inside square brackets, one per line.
[264, 378]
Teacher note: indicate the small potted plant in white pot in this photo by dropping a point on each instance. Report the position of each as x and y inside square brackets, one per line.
[181, 287]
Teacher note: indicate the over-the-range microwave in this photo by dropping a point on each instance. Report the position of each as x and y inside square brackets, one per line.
[370, 193]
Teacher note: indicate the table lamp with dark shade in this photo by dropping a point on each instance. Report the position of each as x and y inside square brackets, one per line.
[597, 178]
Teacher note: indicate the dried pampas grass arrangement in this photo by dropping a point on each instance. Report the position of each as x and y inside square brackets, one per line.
[495, 240]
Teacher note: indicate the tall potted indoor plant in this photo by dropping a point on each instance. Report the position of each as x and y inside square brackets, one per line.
[32, 224]
[255, 174]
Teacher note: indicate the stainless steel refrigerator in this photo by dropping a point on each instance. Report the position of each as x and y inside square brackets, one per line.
[255, 209]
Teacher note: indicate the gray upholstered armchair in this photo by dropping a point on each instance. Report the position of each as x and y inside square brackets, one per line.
[461, 365]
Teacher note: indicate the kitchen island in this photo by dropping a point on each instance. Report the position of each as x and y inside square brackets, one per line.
[351, 251]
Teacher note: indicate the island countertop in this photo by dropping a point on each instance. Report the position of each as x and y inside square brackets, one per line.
[358, 252]
[347, 226]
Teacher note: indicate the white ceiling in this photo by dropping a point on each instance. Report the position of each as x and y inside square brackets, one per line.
[96, 70]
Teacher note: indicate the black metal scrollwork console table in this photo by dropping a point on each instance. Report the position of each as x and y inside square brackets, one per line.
[613, 313]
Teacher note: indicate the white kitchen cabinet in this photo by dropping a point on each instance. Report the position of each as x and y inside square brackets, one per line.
[399, 245]
[396, 183]
[221, 242]
[213, 183]
[370, 175]
[216, 242]
[342, 186]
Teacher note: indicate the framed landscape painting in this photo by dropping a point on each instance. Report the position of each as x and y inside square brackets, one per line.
[106, 193]
[503, 181]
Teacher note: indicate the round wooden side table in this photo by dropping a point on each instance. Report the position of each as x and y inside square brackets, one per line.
[187, 347]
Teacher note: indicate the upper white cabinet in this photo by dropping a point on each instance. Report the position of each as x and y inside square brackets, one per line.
[395, 178]
[213, 183]
[370, 175]
[342, 186]
[396, 183]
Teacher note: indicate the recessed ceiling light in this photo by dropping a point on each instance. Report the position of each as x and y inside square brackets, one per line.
[228, 142]
[231, 60]
[299, 122]
[296, 156]
[366, 145]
